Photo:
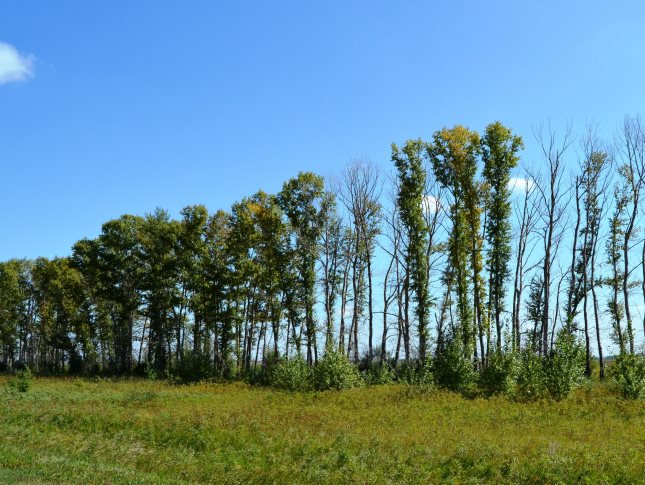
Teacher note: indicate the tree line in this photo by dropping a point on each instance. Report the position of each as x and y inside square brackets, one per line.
[448, 253]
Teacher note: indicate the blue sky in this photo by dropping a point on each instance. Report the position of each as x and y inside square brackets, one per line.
[118, 107]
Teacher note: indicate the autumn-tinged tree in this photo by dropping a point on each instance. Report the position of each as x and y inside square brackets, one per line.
[454, 154]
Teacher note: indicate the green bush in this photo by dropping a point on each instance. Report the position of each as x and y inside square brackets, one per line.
[291, 374]
[335, 372]
[415, 373]
[500, 374]
[530, 376]
[193, 367]
[377, 374]
[452, 370]
[21, 381]
[628, 371]
[565, 365]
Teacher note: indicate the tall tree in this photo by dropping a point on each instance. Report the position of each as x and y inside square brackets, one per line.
[301, 200]
[552, 196]
[526, 215]
[331, 263]
[408, 161]
[595, 184]
[359, 190]
[632, 172]
[499, 153]
[159, 243]
[454, 154]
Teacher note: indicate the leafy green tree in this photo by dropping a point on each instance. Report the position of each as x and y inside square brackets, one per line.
[214, 300]
[59, 296]
[500, 149]
[112, 267]
[159, 282]
[411, 184]
[14, 314]
[269, 252]
[301, 200]
[331, 262]
[454, 155]
[191, 255]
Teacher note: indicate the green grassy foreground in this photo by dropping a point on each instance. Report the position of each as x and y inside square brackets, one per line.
[77, 431]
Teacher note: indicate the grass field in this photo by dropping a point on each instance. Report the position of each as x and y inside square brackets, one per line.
[77, 431]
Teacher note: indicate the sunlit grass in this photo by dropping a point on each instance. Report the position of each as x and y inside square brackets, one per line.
[80, 431]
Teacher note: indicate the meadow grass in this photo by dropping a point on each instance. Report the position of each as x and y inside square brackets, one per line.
[135, 431]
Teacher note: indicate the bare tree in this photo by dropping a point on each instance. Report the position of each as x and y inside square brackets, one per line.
[553, 198]
[359, 191]
[526, 214]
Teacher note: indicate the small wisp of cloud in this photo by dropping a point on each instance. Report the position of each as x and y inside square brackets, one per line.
[14, 66]
[430, 204]
[520, 185]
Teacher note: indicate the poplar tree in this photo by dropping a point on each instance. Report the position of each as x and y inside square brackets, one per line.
[408, 161]
[300, 199]
[499, 153]
[454, 154]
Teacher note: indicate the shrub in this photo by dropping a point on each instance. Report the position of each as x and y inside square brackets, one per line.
[500, 374]
[292, 374]
[530, 376]
[628, 371]
[261, 376]
[377, 374]
[149, 371]
[452, 370]
[194, 367]
[335, 372]
[21, 381]
[565, 365]
[415, 373]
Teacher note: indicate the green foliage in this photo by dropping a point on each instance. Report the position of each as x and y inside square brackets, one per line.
[565, 365]
[411, 184]
[21, 381]
[500, 374]
[150, 371]
[378, 374]
[628, 371]
[415, 373]
[335, 372]
[499, 154]
[291, 374]
[453, 371]
[531, 376]
[194, 367]
[555, 376]
[454, 154]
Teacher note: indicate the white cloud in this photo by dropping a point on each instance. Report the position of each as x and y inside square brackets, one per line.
[430, 204]
[14, 66]
[518, 184]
